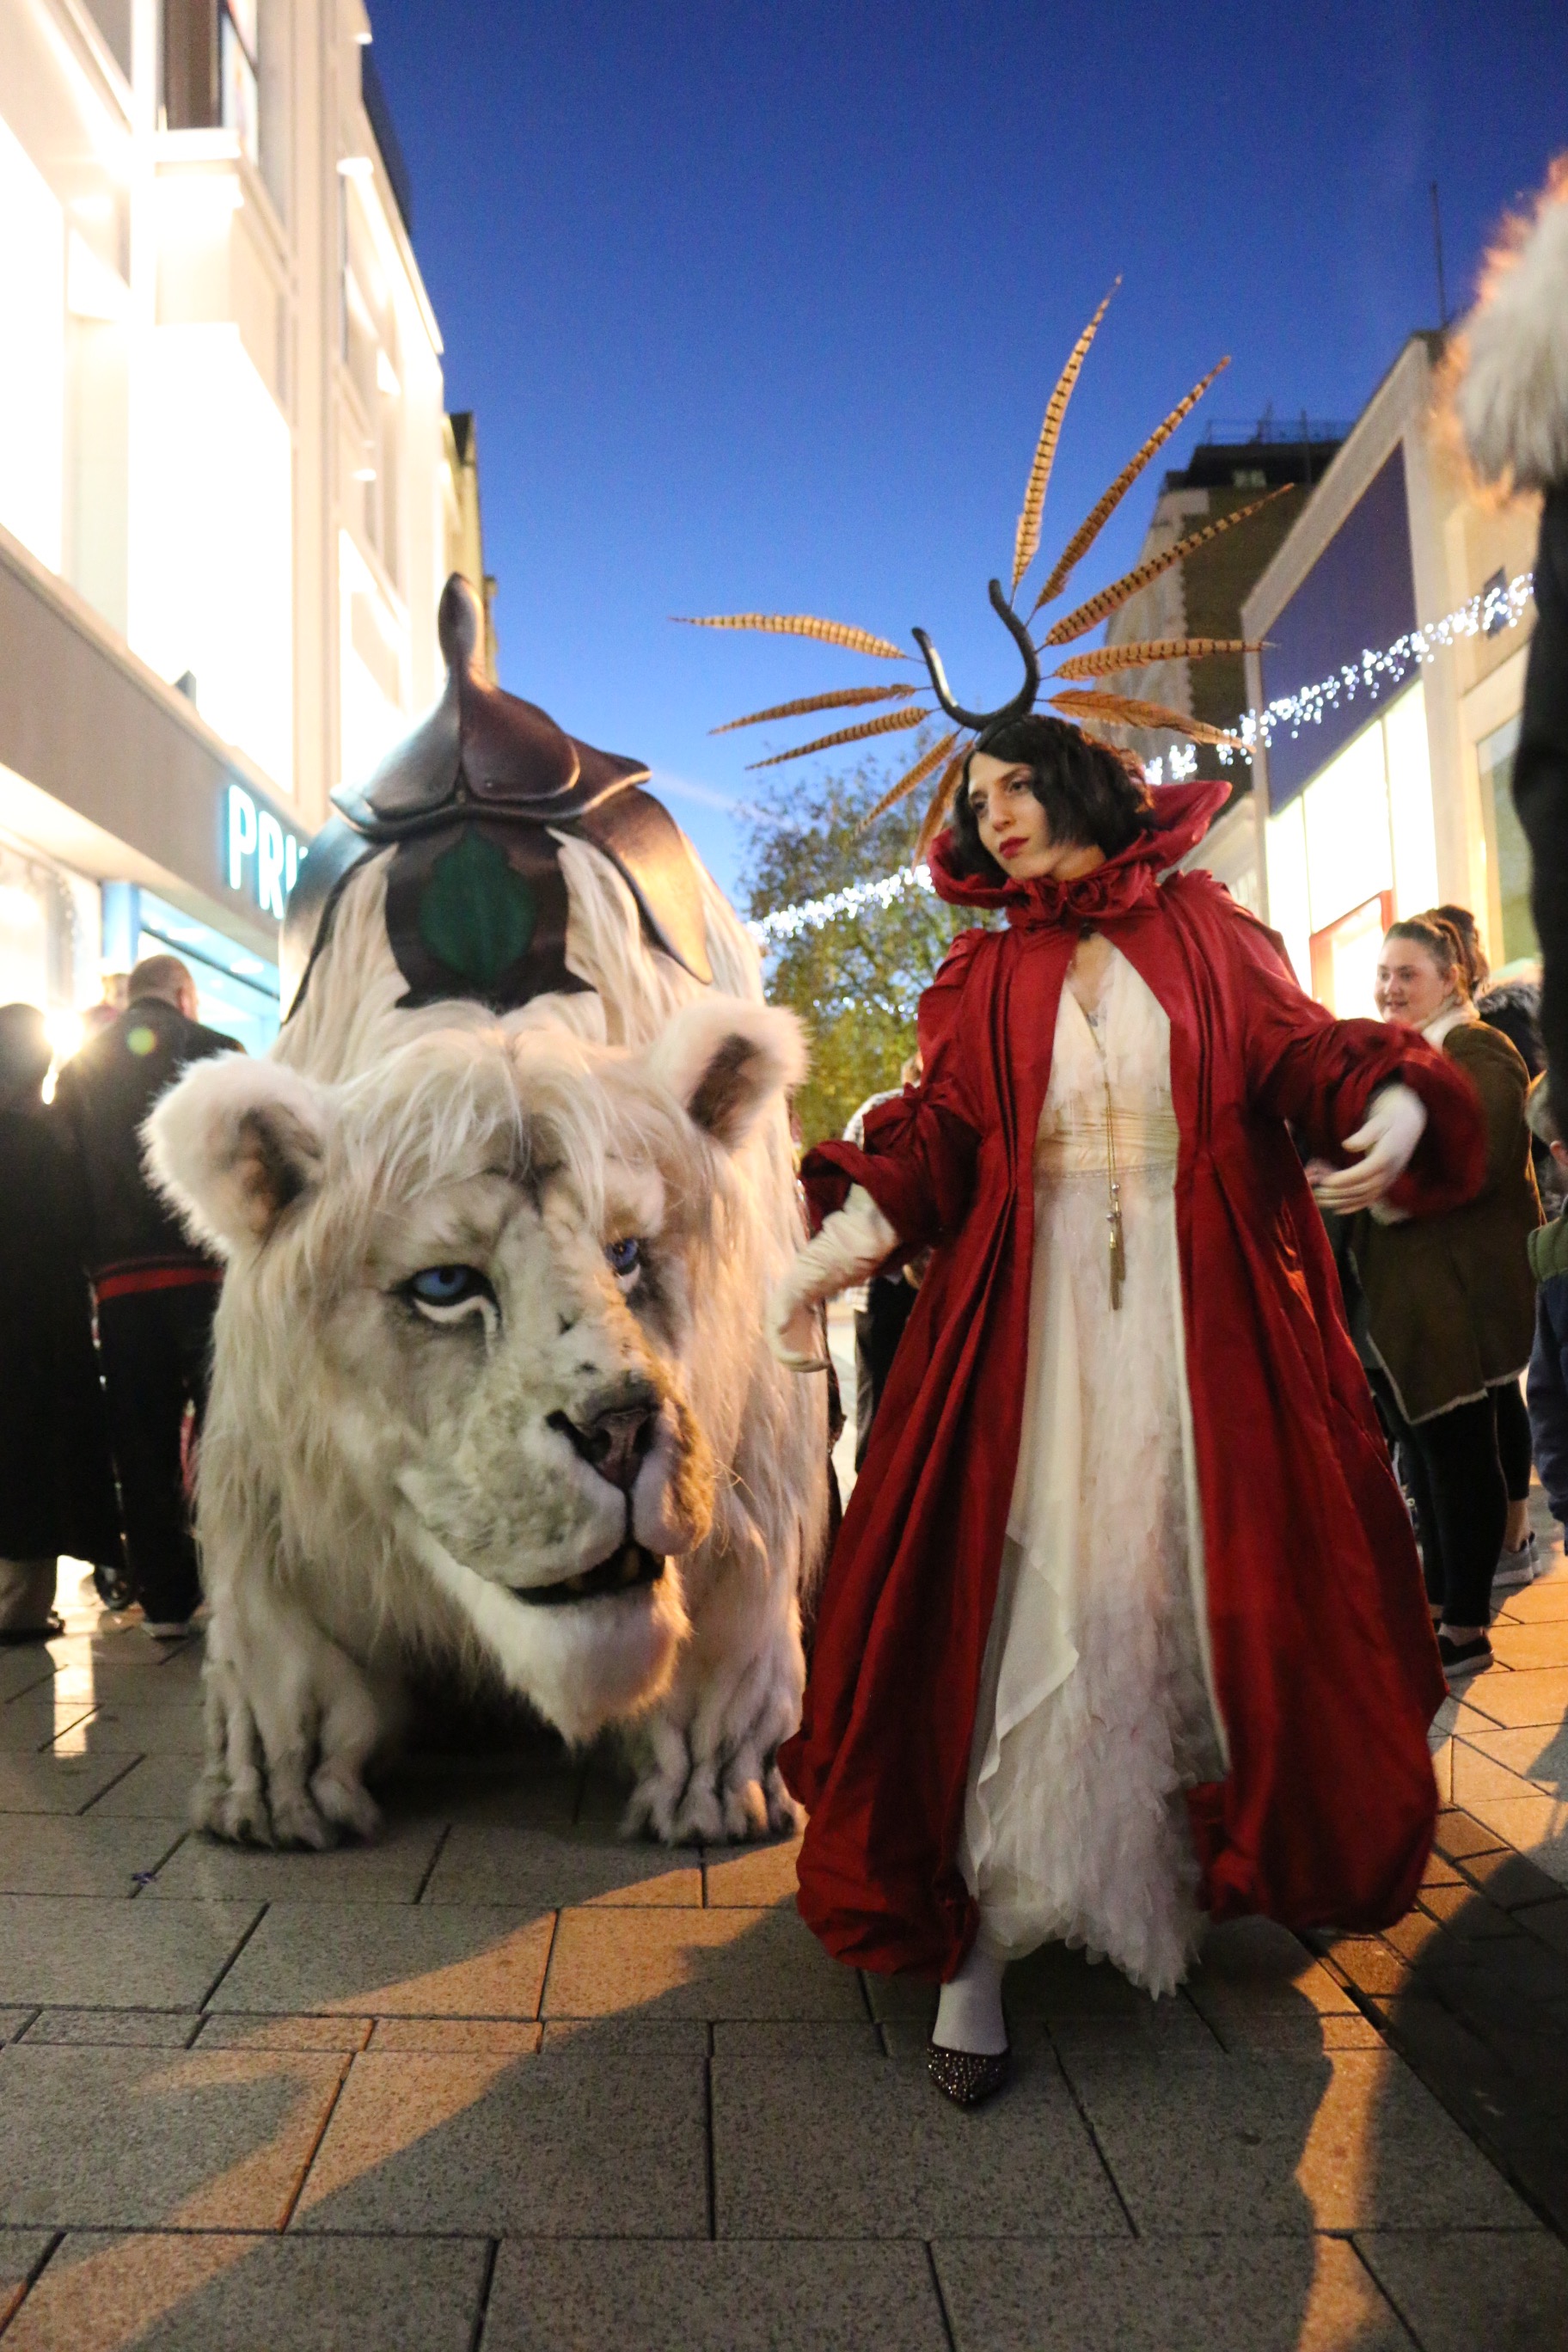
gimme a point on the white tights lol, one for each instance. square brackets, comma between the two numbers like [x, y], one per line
[969, 2013]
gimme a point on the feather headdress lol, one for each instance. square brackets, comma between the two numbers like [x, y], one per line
[1064, 690]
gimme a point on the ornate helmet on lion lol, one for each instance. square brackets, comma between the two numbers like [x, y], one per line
[500, 1212]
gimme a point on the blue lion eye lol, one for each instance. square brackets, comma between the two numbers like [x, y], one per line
[447, 1285]
[624, 1257]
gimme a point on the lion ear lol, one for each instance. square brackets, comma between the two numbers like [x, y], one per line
[233, 1145]
[726, 1061]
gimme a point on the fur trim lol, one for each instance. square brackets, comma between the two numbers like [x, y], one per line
[1511, 397]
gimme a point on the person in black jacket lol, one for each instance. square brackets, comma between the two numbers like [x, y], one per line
[155, 1291]
[56, 1492]
[1511, 402]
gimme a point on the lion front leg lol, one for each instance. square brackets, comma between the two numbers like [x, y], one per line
[292, 1724]
[708, 1748]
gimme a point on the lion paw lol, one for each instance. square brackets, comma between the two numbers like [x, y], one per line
[345, 1801]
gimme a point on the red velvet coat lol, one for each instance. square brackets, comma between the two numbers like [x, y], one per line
[1326, 1669]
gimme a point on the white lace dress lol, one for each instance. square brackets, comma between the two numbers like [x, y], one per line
[1096, 1702]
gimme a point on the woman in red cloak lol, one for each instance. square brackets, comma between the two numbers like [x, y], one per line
[1124, 1627]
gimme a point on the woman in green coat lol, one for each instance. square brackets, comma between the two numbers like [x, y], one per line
[1450, 1300]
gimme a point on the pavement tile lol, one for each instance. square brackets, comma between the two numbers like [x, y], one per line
[1511, 1880]
[387, 1869]
[30, 1723]
[21, 2251]
[1472, 2291]
[254, 2295]
[1370, 1964]
[1534, 1825]
[375, 1959]
[503, 1791]
[70, 1855]
[1525, 1646]
[1479, 1776]
[146, 2028]
[1459, 1835]
[837, 2146]
[458, 2036]
[541, 1869]
[1545, 1602]
[1463, 1910]
[344, 2033]
[83, 1951]
[140, 2139]
[22, 1668]
[1247, 2293]
[777, 2045]
[1454, 2061]
[173, 1729]
[1549, 1921]
[711, 1964]
[1442, 1768]
[159, 1788]
[54, 1783]
[1536, 1751]
[1252, 1973]
[753, 1877]
[1277, 2142]
[104, 1681]
[768, 2296]
[1532, 1696]
[13, 2021]
[661, 2037]
[569, 2141]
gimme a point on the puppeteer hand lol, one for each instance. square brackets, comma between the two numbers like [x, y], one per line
[852, 1244]
[1395, 1121]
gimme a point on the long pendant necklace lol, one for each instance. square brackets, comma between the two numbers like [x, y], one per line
[1113, 1203]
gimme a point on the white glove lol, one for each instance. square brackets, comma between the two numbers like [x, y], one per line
[852, 1243]
[1395, 1121]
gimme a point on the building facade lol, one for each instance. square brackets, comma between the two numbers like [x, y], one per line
[1384, 786]
[1202, 595]
[229, 490]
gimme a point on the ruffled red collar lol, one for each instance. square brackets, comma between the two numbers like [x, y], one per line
[1182, 814]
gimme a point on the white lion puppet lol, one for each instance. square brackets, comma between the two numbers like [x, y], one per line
[490, 1382]
[487, 1391]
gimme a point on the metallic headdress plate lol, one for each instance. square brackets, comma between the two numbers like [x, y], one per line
[476, 900]
[1086, 705]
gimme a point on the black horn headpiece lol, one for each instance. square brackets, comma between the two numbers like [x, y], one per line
[987, 723]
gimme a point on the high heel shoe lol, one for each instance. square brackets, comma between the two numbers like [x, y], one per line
[967, 2076]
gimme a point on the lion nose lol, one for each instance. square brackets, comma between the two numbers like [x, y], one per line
[615, 1442]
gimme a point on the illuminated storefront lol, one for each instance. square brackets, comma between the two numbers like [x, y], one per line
[1385, 781]
[229, 494]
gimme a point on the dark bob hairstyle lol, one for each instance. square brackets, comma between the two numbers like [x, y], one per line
[1092, 797]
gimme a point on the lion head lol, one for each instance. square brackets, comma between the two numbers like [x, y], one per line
[486, 1315]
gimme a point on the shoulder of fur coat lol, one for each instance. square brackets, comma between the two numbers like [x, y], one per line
[1512, 394]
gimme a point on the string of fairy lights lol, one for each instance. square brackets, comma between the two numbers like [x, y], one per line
[1499, 606]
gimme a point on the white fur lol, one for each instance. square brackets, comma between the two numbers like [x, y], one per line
[372, 1484]
[1511, 397]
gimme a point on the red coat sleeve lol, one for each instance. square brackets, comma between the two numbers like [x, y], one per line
[918, 1161]
[1321, 1074]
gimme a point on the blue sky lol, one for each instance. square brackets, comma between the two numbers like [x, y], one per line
[759, 301]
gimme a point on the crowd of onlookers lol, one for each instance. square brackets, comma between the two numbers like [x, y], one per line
[108, 1322]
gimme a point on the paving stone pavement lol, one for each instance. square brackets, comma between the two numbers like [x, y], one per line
[498, 2081]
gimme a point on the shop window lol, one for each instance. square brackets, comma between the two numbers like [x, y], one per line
[237, 49]
[1508, 852]
[1344, 959]
[211, 52]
